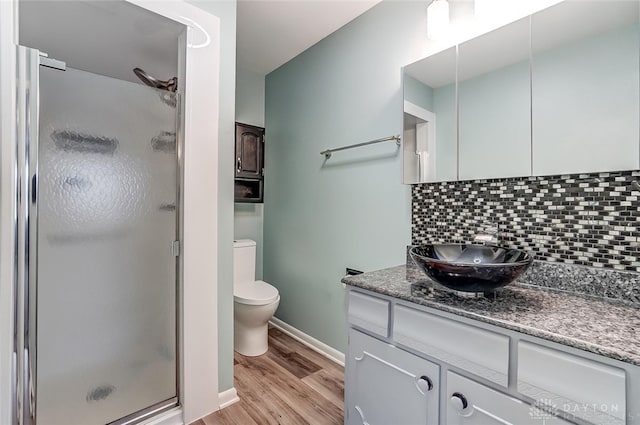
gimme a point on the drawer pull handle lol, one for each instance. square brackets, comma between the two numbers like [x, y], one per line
[425, 384]
[459, 401]
[238, 165]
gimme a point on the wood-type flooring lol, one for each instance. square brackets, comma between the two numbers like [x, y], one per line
[289, 385]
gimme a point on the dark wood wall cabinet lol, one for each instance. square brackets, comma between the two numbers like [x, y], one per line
[249, 174]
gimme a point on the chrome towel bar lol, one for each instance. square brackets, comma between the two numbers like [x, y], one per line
[327, 153]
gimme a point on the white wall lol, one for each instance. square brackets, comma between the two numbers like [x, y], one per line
[225, 10]
[7, 201]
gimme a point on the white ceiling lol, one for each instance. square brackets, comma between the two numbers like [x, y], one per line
[82, 34]
[272, 32]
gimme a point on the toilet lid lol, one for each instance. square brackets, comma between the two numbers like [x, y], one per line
[255, 293]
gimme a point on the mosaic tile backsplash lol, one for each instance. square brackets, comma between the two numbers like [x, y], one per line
[585, 219]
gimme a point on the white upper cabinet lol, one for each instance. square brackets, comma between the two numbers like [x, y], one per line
[585, 87]
[557, 92]
[494, 96]
[430, 133]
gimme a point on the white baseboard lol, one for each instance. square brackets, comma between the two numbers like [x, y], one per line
[228, 397]
[318, 346]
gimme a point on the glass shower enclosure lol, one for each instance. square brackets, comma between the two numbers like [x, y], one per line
[97, 265]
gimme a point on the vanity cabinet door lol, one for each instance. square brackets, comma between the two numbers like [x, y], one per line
[471, 403]
[386, 385]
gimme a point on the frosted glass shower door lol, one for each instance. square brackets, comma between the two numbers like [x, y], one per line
[106, 274]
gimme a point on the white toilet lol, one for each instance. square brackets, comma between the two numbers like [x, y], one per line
[255, 301]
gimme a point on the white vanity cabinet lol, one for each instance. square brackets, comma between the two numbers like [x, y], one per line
[389, 385]
[590, 390]
[411, 364]
[470, 403]
[476, 350]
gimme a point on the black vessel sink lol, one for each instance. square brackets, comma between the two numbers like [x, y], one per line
[471, 268]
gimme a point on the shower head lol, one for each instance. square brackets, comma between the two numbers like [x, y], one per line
[171, 84]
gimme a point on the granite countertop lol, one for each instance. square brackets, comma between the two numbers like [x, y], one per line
[606, 327]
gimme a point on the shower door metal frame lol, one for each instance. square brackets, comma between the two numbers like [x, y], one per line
[28, 62]
[25, 333]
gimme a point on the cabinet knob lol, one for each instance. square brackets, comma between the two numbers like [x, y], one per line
[459, 401]
[425, 384]
[238, 164]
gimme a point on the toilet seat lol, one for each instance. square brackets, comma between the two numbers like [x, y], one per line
[255, 293]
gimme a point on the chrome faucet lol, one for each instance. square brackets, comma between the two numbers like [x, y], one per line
[488, 235]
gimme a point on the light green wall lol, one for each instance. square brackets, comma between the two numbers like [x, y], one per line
[250, 97]
[250, 110]
[226, 11]
[351, 210]
[248, 225]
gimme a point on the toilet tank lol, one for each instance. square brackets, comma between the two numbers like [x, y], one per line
[244, 261]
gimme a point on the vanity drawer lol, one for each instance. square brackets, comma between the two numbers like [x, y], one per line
[588, 389]
[475, 350]
[471, 403]
[369, 313]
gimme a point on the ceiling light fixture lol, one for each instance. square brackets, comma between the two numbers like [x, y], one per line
[437, 18]
[483, 8]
